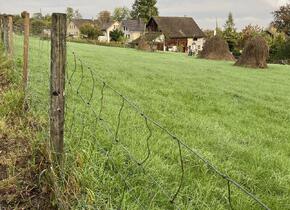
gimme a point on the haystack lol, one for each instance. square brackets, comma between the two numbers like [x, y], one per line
[143, 45]
[216, 48]
[255, 53]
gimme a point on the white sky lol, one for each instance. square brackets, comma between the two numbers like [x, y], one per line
[205, 12]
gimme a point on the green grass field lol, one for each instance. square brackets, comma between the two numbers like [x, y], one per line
[237, 118]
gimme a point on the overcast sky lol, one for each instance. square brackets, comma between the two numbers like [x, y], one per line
[205, 12]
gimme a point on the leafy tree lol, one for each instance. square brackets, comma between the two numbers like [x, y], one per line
[116, 35]
[230, 34]
[77, 14]
[37, 16]
[248, 32]
[90, 31]
[37, 26]
[144, 9]
[72, 14]
[69, 14]
[282, 19]
[121, 13]
[104, 17]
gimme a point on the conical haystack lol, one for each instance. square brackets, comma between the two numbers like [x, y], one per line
[216, 48]
[255, 53]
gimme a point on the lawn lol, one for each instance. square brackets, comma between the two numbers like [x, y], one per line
[237, 118]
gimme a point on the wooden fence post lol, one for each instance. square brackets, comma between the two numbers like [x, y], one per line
[5, 33]
[1, 29]
[25, 16]
[57, 84]
[10, 36]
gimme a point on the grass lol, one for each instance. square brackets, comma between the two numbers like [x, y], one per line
[21, 156]
[237, 118]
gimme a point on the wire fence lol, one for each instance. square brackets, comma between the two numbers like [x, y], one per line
[120, 156]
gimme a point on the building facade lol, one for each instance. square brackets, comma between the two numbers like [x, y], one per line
[181, 33]
[133, 29]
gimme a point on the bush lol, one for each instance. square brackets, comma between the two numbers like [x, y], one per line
[280, 52]
[96, 42]
[117, 35]
[90, 31]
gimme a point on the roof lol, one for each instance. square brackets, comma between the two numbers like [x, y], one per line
[148, 37]
[134, 25]
[105, 26]
[80, 22]
[178, 27]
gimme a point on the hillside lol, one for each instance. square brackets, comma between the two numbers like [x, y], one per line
[237, 118]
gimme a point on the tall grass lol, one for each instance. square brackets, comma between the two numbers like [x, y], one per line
[237, 118]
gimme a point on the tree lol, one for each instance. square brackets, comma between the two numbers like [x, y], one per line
[144, 9]
[37, 16]
[121, 13]
[116, 35]
[69, 14]
[282, 19]
[90, 31]
[230, 34]
[249, 32]
[77, 14]
[37, 26]
[72, 14]
[104, 17]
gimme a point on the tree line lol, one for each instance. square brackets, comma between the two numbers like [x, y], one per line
[277, 35]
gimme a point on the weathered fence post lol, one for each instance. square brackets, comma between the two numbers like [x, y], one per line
[8, 35]
[5, 33]
[57, 84]
[25, 16]
[1, 29]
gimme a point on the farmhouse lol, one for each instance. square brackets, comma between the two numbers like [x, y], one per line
[106, 28]
[133, 29]
[181, 33]
[73, 28]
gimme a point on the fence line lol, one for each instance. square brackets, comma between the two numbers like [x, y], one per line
[180, 143]
[58, 40]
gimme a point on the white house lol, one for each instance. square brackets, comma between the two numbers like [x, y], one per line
[133, 29]
[106, 28]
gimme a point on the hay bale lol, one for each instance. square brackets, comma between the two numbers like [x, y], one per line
[216, 48]
[143, 45]
[255, 53]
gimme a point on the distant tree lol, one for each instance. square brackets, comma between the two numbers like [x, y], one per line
[282, 19]
[90, 31]
[72, 14]
[121, 13]
[37, 16]
[69, 14]
[37, 26]
[116, 35]
[104, 17]
[230, 34]
[144, 9]
[249, 32]
[77, 14]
